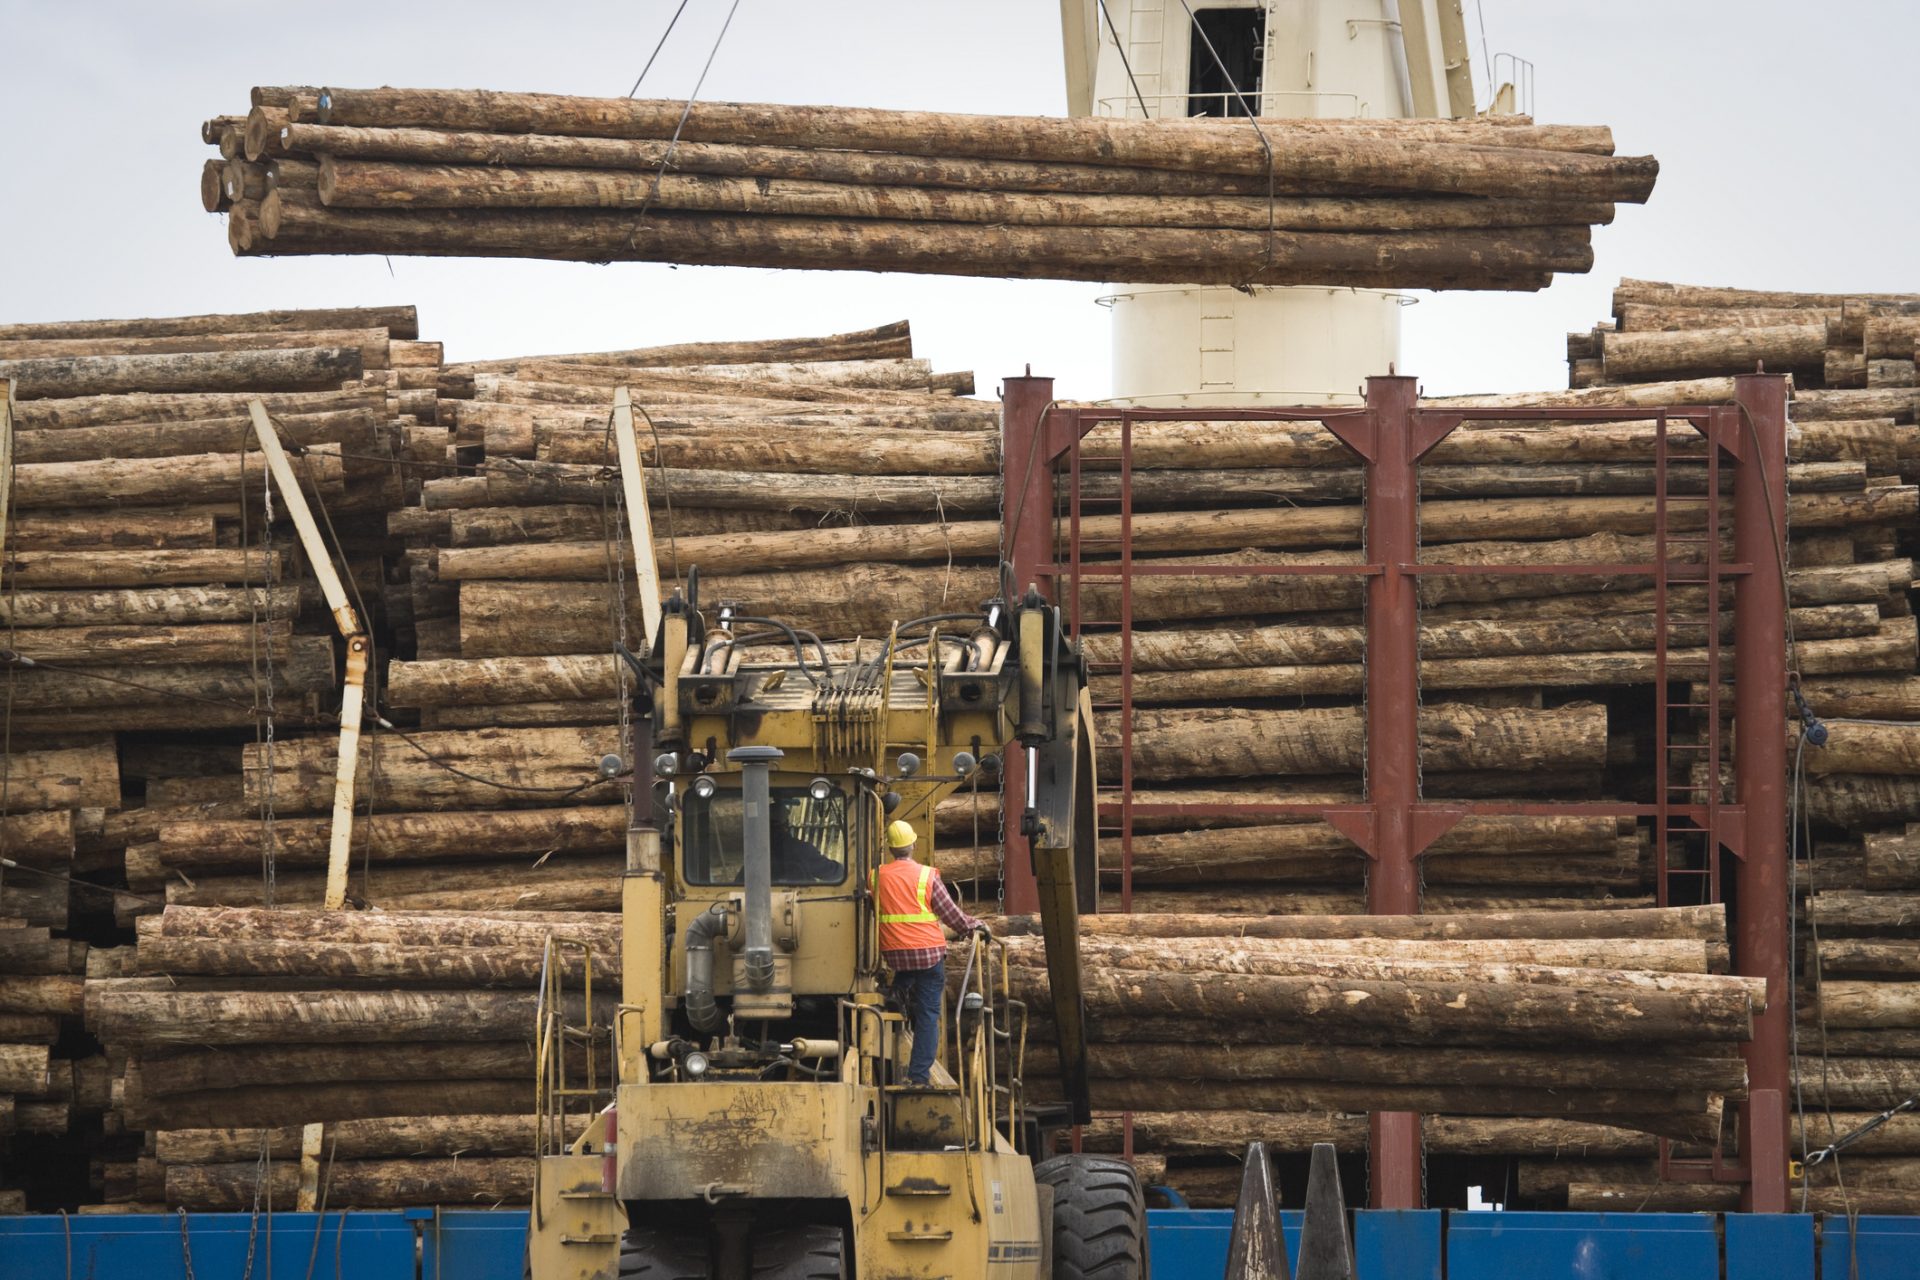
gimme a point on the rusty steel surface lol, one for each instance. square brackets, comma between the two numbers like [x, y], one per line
[1392, 824]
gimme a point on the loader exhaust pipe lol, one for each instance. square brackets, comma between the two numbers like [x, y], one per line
[756, 829]
[702, 1011]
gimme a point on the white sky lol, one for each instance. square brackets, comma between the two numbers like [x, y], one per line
[1784, 130]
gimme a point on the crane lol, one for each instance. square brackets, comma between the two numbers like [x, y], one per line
[759, 1122]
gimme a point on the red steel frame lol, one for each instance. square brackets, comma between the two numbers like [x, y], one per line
[1393, 826]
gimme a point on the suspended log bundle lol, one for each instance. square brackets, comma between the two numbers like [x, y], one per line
[1497, 203]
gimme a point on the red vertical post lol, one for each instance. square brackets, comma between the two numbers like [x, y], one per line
[1393, 728]
[1026, 543]
[1759, 700]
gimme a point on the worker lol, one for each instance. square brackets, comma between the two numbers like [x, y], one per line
[913, 903]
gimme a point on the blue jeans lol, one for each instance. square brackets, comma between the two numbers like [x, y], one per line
[918, 992]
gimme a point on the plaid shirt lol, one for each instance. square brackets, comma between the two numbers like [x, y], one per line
[950, 915]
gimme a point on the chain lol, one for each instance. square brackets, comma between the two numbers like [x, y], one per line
[261, 656]
[186, 1246]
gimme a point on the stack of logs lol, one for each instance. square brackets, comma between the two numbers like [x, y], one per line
[1496, 203]
[1857, 801]
[153, 622]
[1568, 1038]
[1832, 341]
[843, 485]
[409, 1034]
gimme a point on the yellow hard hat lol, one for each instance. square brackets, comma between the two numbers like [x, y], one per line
[900, 835]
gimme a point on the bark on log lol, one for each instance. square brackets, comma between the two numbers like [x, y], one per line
[103, 410]
[1455, 1013]
[1641, 357]
[538, 766]
[223, 434]
[577, 884]
[400, 837]
[105, 645]
[363, 184]
[1868, 747]
[1316, 152]
[399, 1136]
[348, 962]
[398, 321]
[1705, 924]
[219, 566]
[371, 343]
[306, 368]
[366, 1184]
[1222, 742]
[152, 1077]
[205, 477]
[136, 1018]
[291, 223]
[309, 669]
[510, 929]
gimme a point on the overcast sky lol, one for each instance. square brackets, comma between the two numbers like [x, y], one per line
[1783, 131]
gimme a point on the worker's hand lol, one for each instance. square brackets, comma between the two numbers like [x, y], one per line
[981, 931]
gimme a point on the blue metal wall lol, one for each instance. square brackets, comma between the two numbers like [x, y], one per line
[420, 1244]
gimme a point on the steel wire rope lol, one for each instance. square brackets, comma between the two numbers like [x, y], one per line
[653, 188]
[1253, 117]
[658, 46]
[1125, 65]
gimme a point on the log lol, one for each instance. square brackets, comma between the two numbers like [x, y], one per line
[299, 369]
[37, 839]
[196, 568]
[59, 611]
[23, 1068]
[1440, 963]
[1429, 1012]
[409, 1136]
[1333, 155]
[578, 884]
[48, 531]
[538, 766]
[1223, 742]
[372, 344]
[291, 222]
[135, 1018]
[106, 645]
[1871, 958]
[1643, 357]
[398, 321]
[347, 962]
[367, 1184]
[1496, 1135]
[347, 183]
[1693, 1116]
[1868, 747]
[61, 994]
[1360, 1065]
[1705, 924]
[227, 434]
[64, 777]
[107, 409]
[1853, 1003]
[1458, 521]
[153, 1077]
[206, 477]
[400, 837]
[309, 669]
[382, 927]
[1224, 1133]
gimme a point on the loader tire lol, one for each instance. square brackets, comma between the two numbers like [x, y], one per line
[1099, 1218]
[800, 1253]
[648, 1253]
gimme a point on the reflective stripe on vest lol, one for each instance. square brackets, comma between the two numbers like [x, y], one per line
[904, 901]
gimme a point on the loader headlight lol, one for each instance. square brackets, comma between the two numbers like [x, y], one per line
[694, 1064]
[666, 764]
[703, 787]
[908, 764]
[964, 764]
[820, 789]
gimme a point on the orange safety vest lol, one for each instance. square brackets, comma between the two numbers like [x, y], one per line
[903, 895]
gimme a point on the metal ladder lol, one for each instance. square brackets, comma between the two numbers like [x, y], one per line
[1688, 737]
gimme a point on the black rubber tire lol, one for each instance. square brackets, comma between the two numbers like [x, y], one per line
[1099, 1218]
[800, 1253]
[648, 1253]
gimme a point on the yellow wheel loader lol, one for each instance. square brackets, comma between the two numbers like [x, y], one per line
[759, 1124]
